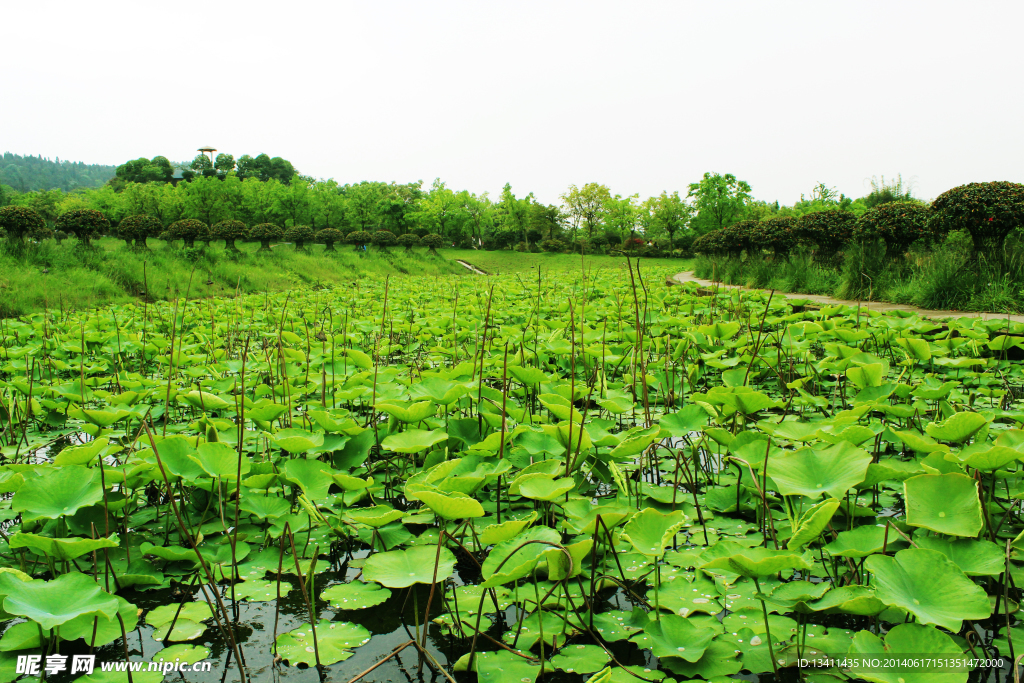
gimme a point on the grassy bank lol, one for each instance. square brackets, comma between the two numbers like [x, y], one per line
[512, 262]
[948, 277]
[66, 276]
[51, 275]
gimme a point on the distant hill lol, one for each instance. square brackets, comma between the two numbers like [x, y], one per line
[39, 173]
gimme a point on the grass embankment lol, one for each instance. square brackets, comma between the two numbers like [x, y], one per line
[948, 278]
[511, 262]
[66, 276]
[51, 275]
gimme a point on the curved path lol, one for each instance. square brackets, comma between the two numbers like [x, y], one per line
[869, 305]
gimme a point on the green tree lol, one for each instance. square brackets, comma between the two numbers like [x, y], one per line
[719, 200]
[441, 210]
[585, 206]
[86, 223]
[666, 214]
[622, 215]
[225, 163]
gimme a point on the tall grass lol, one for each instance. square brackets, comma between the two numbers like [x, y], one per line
[68, 275]
[947, 277]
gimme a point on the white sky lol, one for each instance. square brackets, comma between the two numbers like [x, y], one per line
[641, 96]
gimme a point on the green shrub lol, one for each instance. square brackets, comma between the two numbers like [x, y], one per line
[433, 241]
[229, 231]
[20, 222]
[899, 224]
[359, 238]
[384, 239]
[828, 231]
[553, 246]
[408, 240]
[188, 230]
[328, 236]
[265, 233]
[137, 228]
[777, 234]
[299, 234]
[735, 239]
[86, 223]
[988, 211]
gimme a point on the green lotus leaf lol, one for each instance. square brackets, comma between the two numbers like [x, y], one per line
[685, 598]
[813, 472]
[974, 557]
[81, 455]
[194, 612]
[946, 503]
[927, 584]
[977, 457]
[413, 440]
[920, 442]
[312, 476]
[205, 401]
[350, 483]
[171, 553]
[99, 630]
[376, 516]
[581, 659]
[499, 667]
[904, 644]
[813, 523]
[100, 418]
[758, 562]
[413, 412]
[543, 488]
[560, 407]
[795, 431]
[689, 419]
[496, 533]
[52, 603]
[858, 600]
[297, 440]
[188, 654]
[62, 549]
[402, 568]
[957, 428]
[864, 376]
[450, 505]
[440, 391]
[360, 359]
[61, 493]
[335, 641]
[674, 636]
[265, 507]
[355, 595]
[265, 411]
[750, 402]
[562, 566]
[865, 540]
[651, 531]
[635, 441]
[720, 659]
[258, 590]
[221, 461]
[517, 557]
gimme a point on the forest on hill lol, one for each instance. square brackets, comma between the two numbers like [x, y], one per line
[39, 173]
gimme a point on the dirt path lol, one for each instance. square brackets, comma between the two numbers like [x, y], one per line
[869, 305]
[470, 266]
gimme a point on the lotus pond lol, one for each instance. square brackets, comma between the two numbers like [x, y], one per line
[589, 476]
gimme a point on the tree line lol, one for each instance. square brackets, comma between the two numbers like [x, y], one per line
[265, 190]
[38, 173]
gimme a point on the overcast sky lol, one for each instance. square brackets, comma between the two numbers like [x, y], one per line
[641, 96]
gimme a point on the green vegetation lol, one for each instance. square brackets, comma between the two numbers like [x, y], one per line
[530, 480]
[30, 174]
[965, 251]
[63, 276]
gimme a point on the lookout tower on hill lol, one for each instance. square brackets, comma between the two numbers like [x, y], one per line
[208, 151]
